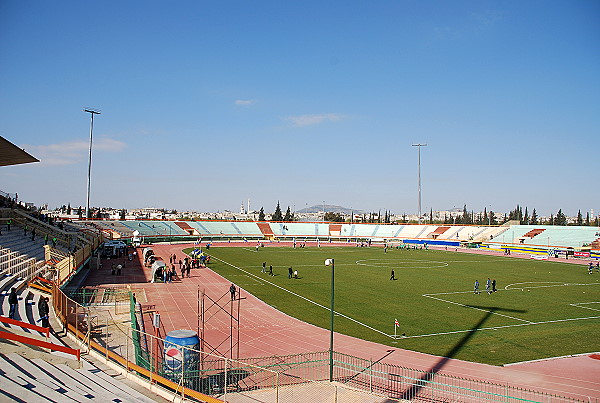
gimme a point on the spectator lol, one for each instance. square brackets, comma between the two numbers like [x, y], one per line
[13, 300]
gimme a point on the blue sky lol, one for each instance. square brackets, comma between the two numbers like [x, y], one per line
[207, 104]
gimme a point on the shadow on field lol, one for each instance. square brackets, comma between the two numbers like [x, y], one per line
[414, 390]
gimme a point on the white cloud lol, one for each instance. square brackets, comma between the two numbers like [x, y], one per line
[72, 152]
[245, 102]
[308, 120]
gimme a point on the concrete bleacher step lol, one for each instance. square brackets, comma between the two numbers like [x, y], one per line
[92, 375]
[18, 384]
[52, 377]
[33, 380]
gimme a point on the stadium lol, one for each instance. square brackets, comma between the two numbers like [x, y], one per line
[131, 132]
[237, 311]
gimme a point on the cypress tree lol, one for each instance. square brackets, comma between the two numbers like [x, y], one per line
[277, 216]
[288, 215]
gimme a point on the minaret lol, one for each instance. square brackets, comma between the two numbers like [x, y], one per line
[242, 209]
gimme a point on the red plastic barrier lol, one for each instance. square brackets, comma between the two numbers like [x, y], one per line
[26, 325]
[40, 343]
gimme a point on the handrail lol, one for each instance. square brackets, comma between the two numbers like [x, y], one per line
[26, 325]
[40, 343]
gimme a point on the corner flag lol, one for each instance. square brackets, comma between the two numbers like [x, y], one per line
[396, 323]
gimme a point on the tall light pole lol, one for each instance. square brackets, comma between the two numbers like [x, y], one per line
[419, 145]
[323, 210]
[92, 112]
[330, 262]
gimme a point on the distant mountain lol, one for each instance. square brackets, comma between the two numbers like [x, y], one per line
[328, 208]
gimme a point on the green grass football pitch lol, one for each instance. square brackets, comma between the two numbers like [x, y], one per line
[541, 309]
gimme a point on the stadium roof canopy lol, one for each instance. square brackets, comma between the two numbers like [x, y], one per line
[10, 154]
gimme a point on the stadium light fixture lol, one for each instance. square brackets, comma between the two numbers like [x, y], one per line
[92, 112]
[330, 262]
[419, 145]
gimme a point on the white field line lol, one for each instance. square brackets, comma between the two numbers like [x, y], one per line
[472, 307]
[503, 327]
[552, 284]
[306, 299]
[578, 305]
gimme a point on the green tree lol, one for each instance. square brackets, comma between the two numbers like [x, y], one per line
[579, 218]
[560, 219]
[587, 219]
[525, 217]
[288, 215]
[277, 216]
[261, 214]
[69, 209]
[534, 218]
[492, 218]
[122, 214]
[330, 216]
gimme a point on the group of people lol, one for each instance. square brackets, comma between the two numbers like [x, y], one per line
[591, 267]
[292, 273]
[264, 269]
[43, 307]
[490, 286]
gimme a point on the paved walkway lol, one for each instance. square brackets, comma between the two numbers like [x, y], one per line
[265, 331]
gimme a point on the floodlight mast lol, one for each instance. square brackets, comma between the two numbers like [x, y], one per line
[92, 112]
[419, 145]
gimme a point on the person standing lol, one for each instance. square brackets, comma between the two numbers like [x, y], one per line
[44, 311]
[188, 270]
[488, 285]
[232, 291]
[264, 267]
[271, 270]
[8, 223]
[290, 272]
[33, 234]
[476, 289]
[393, 276]
[13, 300]
[494, 285]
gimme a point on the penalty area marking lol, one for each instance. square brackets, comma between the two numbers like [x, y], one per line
[527, 323]
[306, 299]
[579, 305]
